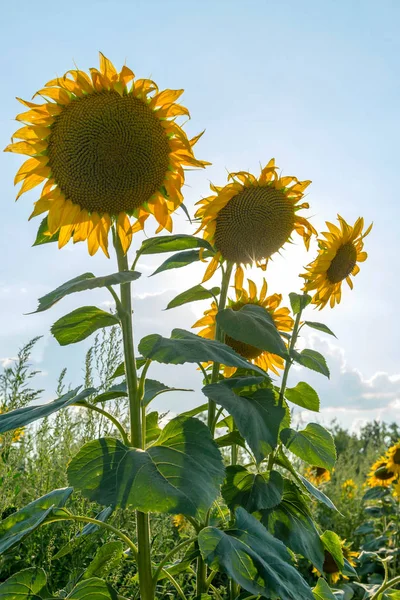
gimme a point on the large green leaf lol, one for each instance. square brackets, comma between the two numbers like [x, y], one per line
[173, 243]
[23, 416]
[22, 523]
[180, 473]
[318, 495]
[252, 491]
[252, 325]
[153, 430]
[198, 292]
[42, 238]
[106, 558]
[253, 558]
[333, 545]
[84, 282]
[176, 261]
[312, 360]
[24, 585]
[153, 388]
[299, 302]
[322, 591]
[93, 589]
[319, 327]
[81, 323]
[257, 416]
[184, 346]
[291, 523]
[314, 445]
[303, 395]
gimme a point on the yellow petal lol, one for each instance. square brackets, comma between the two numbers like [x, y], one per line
[212, 267]
[239, 276]
[165, 97]
[29, 166]
[30, 182]
[32, 132]
[124, 231]
[59, 95]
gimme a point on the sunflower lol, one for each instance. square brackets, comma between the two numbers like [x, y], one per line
[108, 148]
[317, 475]
[348, 488]
[280, 316]
[393, 458]
[380, 475]
[179, 522]
[396, 489]
[250, 219]
[337, 259]
[330, 567]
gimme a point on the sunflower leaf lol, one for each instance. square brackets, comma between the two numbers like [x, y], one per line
[252, 325]
[198, 292]
[312, 360]
[252, 491]
[299, 302]
[173, 243]
[24, 585]
[178, 260]
[84, 282]
[319, 327]
[322, 591]
[80, 324]
[303, 395]
[314, 445]
[95, 589]
[179, 474]
[153, 388]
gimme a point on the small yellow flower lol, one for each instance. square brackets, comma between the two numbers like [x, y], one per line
[250, 219]
[179, 522]
[393, 458]
[317, 475]
[380, 475]
[396, 489]
[108, 148]
[280, 316]
[348, 488]
[337, 259]
[18, 434]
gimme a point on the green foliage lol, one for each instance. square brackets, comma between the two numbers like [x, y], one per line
[195, 293]
[303, 395]
[172, 243]
[252, 491]
[312, 360]
[80, 324]
[314, 445]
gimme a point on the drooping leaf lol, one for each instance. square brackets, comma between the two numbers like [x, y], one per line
[84, 282]
[153, 388]
[252, 325]
[322, 591]
[319, 327]
[198, 292]
[24, 585]
[299, 302]
[195, 411]
[42, 238]
[105, 560]
[80, 324]
[303, 395]
[312, 360]
[314, 445]
[376, 493]
[253, 558]
[233, 437]
[153, 430]
[180, 473]
[23, 416]
[291, 523]
[320, 496]
[22, 523]
[176, 261]
[93, 589]
[173, 243]
[89, 529]
[257, 417]
[332, 544]
[184, 346]
[115, 391]
[252, 491]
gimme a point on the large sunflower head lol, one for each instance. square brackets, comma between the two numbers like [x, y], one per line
[280, 316]
[337, 260]
[250, 219]
[380, 474]
[317, 475]
[108, 148]
[393, 458]
[331, 569]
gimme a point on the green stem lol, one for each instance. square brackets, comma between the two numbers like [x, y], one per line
[289, 360]
[176, 585]
[219, 336]
[201, 576]
[170, 555]
[137, 440]
[386, 586]
[108, 416]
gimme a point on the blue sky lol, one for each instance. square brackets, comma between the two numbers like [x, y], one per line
[314, 84]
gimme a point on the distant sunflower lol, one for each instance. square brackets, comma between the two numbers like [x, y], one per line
[17, 434]
[396, 489]
[280, 316]
[250, 219]
[380, 474]
[108, 148]
[393, 458]
[348, 488]
[317, 475]
[337, 260]
[331, 569]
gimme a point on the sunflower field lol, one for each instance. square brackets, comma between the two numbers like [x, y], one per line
[102, 497]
